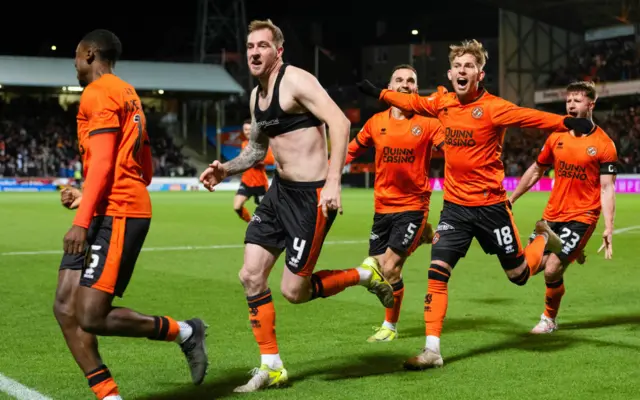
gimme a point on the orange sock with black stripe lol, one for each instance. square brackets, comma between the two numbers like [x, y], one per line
[435, 305]
[533, 253]
[262, 315]
[101, 382]
[553, 297]
[329, 283]
[392, 315]
[244, 214]
[165, 329]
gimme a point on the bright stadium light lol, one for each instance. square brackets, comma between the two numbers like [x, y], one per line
[74, 88]
[54, 48]
[160, 91]
[414, 32]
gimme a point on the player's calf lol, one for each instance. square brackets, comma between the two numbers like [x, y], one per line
[391, 267]
[243, 213]
[554, 281]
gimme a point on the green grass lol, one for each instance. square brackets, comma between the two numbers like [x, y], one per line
[486, 349]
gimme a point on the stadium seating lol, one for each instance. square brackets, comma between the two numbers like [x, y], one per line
[38, 138]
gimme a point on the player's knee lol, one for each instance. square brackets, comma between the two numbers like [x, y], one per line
[445, 257]
[519, 276]
[439, 271]
[90, 322]
[553, 269]
[64, 311]
[252, 281]
[392, 270]
[294, 294]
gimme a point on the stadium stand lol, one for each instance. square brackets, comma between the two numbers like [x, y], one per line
[38, 138]
[610, 60]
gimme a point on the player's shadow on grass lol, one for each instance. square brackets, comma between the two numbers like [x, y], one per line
[218, 388]
[385, 362]
[522, 341]
[372, 364]
[604, 322]
[382, 363]
[456, 325]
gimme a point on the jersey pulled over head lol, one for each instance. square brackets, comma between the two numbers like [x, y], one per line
[98, 50]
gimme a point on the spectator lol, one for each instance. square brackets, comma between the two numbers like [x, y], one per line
[38, 139]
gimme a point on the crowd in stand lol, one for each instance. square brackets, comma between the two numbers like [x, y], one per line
[38, 138]
[622, 125]
[610, 60]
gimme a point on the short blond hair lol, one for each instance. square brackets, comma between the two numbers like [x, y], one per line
[586, 87]
[256, 25]
[472, 47]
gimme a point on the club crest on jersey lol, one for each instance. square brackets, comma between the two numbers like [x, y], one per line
[435, 239]
[416, 130]
[591, 151]
[477, 112]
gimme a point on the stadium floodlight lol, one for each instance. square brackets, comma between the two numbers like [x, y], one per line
[414, 32]
[54, 48]
[73, 88]
[160, 91]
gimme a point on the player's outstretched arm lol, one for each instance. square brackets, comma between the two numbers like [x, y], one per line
[505, 113]
[531, 176]
[426, 106]
[608, 203]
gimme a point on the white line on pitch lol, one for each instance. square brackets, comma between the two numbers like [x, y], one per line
[176, 248]
[18, 390]
[234, 246]
[627, 229]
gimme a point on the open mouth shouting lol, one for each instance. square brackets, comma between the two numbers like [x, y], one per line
[462, 83]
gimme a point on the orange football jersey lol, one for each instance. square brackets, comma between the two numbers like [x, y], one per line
[578, 163]
[110, 106]
[403, 155]
[474, 135]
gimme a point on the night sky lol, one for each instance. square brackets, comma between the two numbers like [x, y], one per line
[153, 31]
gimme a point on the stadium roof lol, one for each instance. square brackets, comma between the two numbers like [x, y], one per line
[573, 15]
[177, 77]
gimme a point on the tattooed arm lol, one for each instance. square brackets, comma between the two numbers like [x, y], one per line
[254, 152]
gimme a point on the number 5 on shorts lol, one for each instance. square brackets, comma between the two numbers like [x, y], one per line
[411, 231]
[95, 260]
